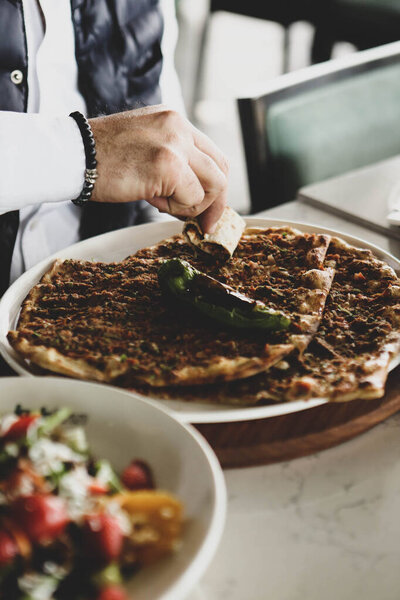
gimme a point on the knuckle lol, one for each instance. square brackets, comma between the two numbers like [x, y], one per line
[171, 119]
[193, 211]
[217, 178]
[225, 164]
[165, 158]
[221, 184]
[197, 194]
[173, 138]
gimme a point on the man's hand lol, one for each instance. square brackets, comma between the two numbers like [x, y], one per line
[155, 154]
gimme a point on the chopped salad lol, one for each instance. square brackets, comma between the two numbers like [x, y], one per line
[70, 526]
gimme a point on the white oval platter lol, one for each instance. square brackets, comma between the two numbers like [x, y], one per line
[116, 245]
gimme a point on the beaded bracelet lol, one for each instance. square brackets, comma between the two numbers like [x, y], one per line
[90, 153]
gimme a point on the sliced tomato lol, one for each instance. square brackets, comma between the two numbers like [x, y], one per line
[43, 517]
[20, 428]
[112, 592]
[102, 536]
[8, 548]
[96, 487]
[137, 476]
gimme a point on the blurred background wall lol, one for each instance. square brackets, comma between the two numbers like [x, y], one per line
[239, 53]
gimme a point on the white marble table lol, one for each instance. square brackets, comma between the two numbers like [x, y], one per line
[325, 527]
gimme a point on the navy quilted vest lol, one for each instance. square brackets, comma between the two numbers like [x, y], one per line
[119, 63]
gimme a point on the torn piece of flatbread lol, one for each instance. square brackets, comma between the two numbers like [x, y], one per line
[223, 241]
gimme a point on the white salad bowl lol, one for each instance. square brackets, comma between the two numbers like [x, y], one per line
[122, 427]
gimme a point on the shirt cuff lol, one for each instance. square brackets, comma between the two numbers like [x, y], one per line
[42, 159]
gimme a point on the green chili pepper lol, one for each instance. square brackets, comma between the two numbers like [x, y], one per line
[216, 300]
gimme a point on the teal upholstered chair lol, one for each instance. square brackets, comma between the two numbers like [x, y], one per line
[319, 122]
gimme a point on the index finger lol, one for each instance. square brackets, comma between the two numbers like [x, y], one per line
[203, 143]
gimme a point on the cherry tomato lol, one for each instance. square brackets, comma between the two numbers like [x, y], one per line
[8, 548]
[112, 592]
[137, 476]
[43, 517]
[102, 537]
[20, 428]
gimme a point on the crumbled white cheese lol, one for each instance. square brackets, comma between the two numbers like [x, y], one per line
[25, 486]
[55, 570]
[105, 474]
[37, 586]
[73, 487]
[75, 437]
[32, 433]
[48, 456]
[6, 422]
[12, 449]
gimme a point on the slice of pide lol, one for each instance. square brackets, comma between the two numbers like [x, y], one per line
[223, 241]
[110, 323]
[349, 356]
[360, 331]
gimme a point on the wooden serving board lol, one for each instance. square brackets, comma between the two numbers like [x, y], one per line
[275, 439]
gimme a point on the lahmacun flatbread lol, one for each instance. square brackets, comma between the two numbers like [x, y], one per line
[110, 322]
[350, 354]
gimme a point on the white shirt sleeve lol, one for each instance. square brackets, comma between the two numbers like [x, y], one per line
[42, 159]
[171, 92]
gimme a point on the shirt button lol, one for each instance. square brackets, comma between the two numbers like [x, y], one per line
[17, 76]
